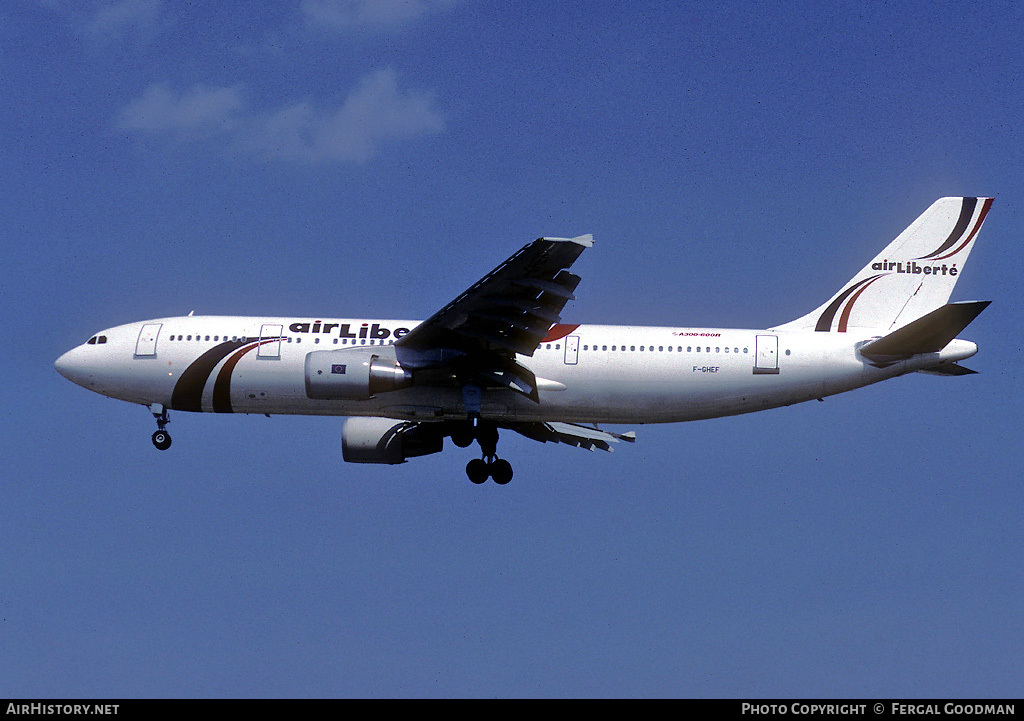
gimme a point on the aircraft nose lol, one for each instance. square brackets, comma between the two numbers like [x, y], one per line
[71, 365]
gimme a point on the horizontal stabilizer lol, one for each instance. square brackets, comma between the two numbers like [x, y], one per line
[928, 334]
[948, 369]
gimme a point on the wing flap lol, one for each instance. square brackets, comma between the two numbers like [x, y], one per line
[572, 434]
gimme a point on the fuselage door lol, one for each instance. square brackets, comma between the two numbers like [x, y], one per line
[766, 358]
[572, 350]
[270, 348]
[146, 345]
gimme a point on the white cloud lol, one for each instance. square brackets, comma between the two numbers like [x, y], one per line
[115, 21]
[200, 111]
[369, 14]
[377, 111]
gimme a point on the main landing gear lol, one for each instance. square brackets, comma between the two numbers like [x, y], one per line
[489, 466]
[161, 438]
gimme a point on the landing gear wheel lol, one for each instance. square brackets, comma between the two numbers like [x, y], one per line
[162, 440]
[477, 470]
[464, 437]
[501, 471]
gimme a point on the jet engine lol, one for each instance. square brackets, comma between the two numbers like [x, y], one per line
[385, 440]
[354, 374]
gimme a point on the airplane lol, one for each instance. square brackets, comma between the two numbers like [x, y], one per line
[499, 357]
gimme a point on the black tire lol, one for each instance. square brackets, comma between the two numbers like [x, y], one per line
[477, 471]
[463, 439]
[162, 440]
[501, 471]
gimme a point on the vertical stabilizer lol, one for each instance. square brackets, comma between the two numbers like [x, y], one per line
[913, 276]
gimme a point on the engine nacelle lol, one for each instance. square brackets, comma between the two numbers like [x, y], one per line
[354, 374]
[385, 440]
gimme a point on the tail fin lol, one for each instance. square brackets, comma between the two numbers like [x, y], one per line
[913, 276]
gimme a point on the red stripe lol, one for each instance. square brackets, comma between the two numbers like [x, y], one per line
[559, 331]
[222, 386]
[977, 227]
[845, 317]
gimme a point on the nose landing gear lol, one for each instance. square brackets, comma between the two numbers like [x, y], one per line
[161, 438]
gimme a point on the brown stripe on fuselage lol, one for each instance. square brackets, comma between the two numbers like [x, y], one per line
[188, 391]
[222, 386]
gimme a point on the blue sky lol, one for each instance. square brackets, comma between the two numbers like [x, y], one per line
[357, 158]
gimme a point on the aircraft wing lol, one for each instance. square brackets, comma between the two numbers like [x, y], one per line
[571, 434]
[510, 309]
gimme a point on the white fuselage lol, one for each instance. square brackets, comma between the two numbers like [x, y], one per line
[593, 373]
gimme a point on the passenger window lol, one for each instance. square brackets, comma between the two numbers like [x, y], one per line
[661, 348]
[698, 349]
[632, 347]
[604, 347]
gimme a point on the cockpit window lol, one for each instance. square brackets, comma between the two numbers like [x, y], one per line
[91, 341]
[101, 339]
